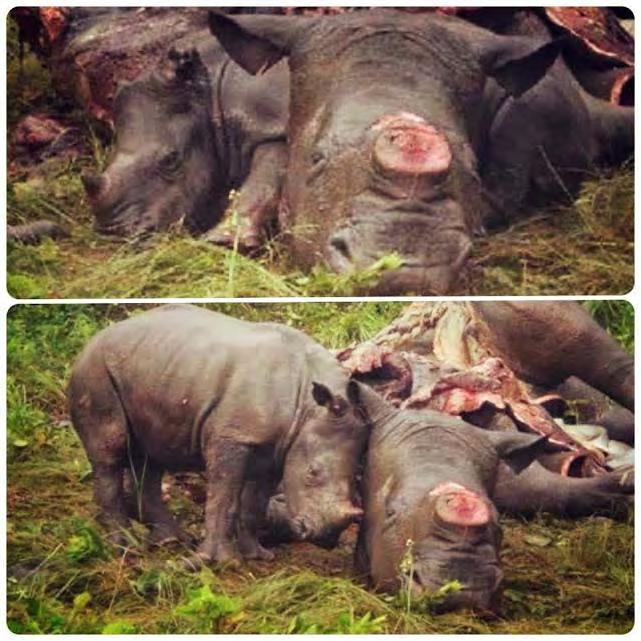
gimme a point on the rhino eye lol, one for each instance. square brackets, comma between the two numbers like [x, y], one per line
[318, 160]
[170, 163]
[314, 475]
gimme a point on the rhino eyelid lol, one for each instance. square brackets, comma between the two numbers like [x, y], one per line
[170, 158]
[313, 476]
[318, 160]
[170, 164]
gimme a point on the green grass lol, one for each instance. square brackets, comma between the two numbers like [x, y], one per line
[586, 249]
[561, 575]
[583, 249]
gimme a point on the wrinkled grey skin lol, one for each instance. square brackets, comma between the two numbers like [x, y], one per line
[186, 135]
[413, 453]
[519, 128]
[182, 388]
[547, 342]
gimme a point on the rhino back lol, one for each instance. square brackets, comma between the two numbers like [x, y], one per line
[183, 373]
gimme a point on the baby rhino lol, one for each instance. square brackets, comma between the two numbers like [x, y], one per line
[253, 404]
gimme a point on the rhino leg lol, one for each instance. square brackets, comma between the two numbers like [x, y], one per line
[257, 203]
[593, 406]
[226, 464]
[361, 558]
[148, 506]
[254, 502]
[537, 489]
[619, 424]
[101, 424]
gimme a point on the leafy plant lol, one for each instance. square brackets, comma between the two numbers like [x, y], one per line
[119, 627]
[204, 610]
[158, 583]
[37, 617]
[86, 545]
[347, 623]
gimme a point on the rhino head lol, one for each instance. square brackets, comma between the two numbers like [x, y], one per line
[387, 125]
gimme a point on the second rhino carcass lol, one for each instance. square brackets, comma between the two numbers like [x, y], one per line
[251, 404]
[505, 365]
[432, 489]
[411, 133]
[433, 483]
[190, 125]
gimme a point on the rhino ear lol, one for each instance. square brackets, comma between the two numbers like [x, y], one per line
[255, 42]
[354, 393]
[322, 394]
[516, 449]
[324, 397]
[519, 63]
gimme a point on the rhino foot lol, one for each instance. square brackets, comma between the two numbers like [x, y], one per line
[221, 554]
[620, 481]
[256, 551]
[248, 244]
[118, 531]
[194, 562]
[162, 535]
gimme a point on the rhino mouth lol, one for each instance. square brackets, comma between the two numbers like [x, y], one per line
[415, 275]
[124, 228]
[135, 220]
[416, 279]
[112, 228]
[482, 595]
[430, 238]
[324, 533]
[326, 537]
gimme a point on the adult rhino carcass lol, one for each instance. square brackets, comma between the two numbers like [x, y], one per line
[432, 489]
[504, 365]
[412, 133]
[190, 125]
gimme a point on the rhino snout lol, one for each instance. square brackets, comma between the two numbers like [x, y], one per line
[421, 272]
[480, 595]
[326, 530]
[417, 280]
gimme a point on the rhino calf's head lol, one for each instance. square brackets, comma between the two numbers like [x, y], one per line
[319, 474]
